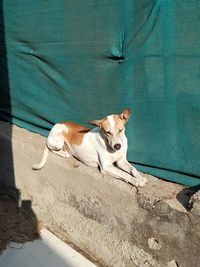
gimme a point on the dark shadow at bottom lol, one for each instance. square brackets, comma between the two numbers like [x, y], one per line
[18, 223]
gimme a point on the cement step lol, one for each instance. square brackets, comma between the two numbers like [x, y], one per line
[49, 251]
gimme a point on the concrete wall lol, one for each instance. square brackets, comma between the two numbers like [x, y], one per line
[109, 220]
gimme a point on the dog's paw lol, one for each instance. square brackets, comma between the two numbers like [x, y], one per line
[144, 179]
[140, 181]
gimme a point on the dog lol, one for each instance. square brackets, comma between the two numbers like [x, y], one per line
[104, 146]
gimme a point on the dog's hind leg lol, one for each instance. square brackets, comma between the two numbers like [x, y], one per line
[61, 153]
[55, 143]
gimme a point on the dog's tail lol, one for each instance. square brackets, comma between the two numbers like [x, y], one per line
[43, 161]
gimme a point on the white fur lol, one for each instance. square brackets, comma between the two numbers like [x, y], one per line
[94, 152]
[55, 139]
[43, 161]
[111, 121]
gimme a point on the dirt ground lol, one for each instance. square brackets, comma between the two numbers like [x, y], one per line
[17, 223]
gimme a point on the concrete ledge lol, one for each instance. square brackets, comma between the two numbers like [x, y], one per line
[107, 219]
[49, 251]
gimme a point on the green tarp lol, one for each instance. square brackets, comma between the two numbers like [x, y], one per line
[77, 60]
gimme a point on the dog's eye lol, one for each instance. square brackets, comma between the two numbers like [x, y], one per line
[121, 130]
[108, 133]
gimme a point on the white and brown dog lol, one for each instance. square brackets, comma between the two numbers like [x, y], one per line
[104, 146]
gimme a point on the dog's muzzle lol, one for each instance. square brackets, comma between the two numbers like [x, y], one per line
[117, 146]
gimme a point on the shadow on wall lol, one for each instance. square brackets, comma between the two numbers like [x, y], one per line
[18, 221]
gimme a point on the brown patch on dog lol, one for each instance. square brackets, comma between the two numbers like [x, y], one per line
[105, 125]
[119, 123]
[75, 133]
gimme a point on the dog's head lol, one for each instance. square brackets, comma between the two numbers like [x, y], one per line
[113, 128]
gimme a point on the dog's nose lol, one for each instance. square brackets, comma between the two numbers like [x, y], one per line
[117, 146]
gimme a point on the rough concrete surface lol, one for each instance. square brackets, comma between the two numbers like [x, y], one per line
[107, 219]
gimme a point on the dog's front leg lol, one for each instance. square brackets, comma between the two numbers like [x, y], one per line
[124, 165]
[119, 174]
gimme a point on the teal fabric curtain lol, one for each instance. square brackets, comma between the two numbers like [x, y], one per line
[77, 60]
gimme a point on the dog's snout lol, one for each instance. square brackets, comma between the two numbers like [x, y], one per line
[117, 146]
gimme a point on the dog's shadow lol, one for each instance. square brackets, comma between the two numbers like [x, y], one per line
[185, 195]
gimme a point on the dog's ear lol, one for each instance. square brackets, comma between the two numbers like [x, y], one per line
[125, 115]
[97, 123]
